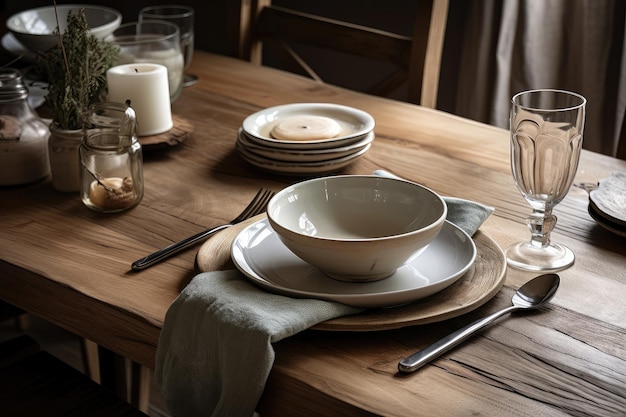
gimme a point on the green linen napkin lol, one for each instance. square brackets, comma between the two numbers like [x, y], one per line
[466, 214]
[215, 350]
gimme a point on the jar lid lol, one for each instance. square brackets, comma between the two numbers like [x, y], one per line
[12, 85]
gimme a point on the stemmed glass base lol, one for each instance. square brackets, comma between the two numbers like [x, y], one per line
[540, 254]
[525, 255]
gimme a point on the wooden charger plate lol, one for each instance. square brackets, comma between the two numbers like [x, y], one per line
[483, 280]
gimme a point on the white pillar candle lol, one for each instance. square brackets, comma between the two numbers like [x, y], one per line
[146, 86]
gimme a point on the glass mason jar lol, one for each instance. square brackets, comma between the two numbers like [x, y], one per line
[111, 171]
[111, 116]
[23, 135]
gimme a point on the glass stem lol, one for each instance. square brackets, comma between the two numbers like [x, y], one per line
[541, 223]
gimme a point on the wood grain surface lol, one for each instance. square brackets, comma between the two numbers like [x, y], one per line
[71, 266]
[180, 131]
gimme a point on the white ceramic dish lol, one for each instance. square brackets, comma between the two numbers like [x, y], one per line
[303, 155]
[356, 228]
[602, 220]
[609, 199]
[34, 28]
[300, 168]
[353, 123]
[13, 46]
[260, 255]
[327, 144]
[304, 145]
[608, 216]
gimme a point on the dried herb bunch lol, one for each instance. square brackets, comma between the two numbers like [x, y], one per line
[76, 71]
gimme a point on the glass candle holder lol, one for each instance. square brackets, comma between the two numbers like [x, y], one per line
[182, 16]
[156, 42]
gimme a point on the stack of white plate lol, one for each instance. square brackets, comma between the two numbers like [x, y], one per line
[607, 203]
[305, 138]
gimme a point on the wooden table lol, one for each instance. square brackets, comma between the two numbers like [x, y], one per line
[71, 266]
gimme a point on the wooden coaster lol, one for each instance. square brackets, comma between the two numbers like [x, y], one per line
[481, 283]
[181, 130]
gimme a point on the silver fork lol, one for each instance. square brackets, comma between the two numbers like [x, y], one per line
[256, 206]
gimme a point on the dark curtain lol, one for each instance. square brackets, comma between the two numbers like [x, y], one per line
[497, 48]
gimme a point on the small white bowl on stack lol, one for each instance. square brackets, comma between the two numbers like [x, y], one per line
[305, 138]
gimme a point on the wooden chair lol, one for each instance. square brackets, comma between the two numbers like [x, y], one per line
[417, 58]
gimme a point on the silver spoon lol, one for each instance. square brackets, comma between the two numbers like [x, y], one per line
[534, 294]
[98, 178]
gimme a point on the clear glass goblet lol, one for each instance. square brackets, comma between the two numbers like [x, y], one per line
[546, 140]
[156, 42]
[183, 17]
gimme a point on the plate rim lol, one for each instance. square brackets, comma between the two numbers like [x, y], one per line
[411, 314]
[308, 155]
[479, 285]
[606, 223]
[301, 168]
[604, 213]
[297, 164]
[259, 280]
[368, 122]
[600, 190]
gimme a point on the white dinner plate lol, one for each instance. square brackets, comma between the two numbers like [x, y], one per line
[324, 145]
[353, 123]
[303, 155]
[260, 255]
[602, 220]
[609, 198]
[300, 168]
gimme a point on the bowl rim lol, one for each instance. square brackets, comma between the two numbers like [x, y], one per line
[116, 21]
[173, 32]
[152, 12]
[435, 224]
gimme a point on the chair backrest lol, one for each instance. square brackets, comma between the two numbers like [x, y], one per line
[417, 58]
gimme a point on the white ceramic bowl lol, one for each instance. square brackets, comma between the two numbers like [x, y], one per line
[35, 28]
[356, 228]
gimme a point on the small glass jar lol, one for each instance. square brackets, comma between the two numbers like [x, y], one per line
[111, 116]
[23, 135]
[111, 173]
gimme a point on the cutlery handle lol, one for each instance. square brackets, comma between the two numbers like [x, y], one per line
[419, 359]
[168, 251]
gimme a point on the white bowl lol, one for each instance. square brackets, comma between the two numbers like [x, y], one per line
[356, 228]
[35, 28]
